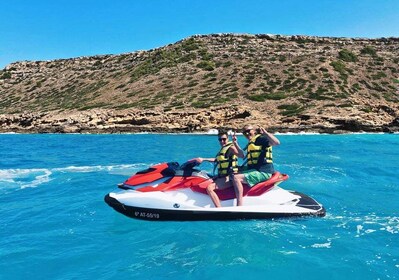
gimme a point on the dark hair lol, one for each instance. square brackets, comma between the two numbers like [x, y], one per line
[222, 132]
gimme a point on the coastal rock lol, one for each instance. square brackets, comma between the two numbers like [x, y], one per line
[190, 121]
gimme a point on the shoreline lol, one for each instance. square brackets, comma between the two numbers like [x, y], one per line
[195, 133]
[212, 131]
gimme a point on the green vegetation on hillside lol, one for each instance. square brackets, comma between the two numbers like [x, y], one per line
[203, 71]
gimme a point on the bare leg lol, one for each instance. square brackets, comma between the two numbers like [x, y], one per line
[238, 179]
[218, 184]
[211, 192]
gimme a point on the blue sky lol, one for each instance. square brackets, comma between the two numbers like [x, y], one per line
[45, 30]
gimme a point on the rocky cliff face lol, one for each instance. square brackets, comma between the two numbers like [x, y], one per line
[285, 83]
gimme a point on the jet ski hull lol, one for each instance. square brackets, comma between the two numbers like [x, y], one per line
[309, 206]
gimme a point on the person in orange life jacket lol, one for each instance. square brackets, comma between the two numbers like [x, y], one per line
[259, 159]
[226, 161]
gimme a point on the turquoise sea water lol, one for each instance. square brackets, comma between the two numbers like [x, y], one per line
[55, 225]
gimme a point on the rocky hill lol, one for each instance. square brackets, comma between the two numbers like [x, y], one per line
[285, 83]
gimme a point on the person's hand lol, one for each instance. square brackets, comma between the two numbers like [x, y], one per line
[234, 137]
[262, 130]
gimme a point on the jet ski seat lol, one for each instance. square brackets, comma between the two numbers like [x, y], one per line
[256, 190]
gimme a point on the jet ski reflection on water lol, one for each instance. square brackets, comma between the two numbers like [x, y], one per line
[169, 191]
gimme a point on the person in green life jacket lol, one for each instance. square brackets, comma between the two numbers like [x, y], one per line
[259, 159]
[226, 162]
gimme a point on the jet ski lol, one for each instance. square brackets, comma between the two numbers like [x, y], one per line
[174, 192]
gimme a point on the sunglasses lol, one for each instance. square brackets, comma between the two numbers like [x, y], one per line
[247, 132]
[222, 139]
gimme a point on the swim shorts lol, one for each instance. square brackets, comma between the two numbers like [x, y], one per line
[253, 176]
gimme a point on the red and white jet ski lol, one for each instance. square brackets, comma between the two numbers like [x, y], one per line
[170, 191]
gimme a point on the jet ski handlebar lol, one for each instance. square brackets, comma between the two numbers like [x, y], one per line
[189, 165]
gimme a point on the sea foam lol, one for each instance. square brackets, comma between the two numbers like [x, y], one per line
[34, 177]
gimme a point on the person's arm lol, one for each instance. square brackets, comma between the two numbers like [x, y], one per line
[200, 160]
[273, 141]
[233, 151]
[238, 150]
